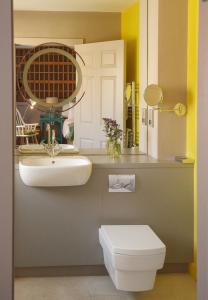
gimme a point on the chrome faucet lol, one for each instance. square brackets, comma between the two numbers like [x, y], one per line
[52, 147]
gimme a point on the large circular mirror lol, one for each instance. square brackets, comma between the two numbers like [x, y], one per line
[50, 76]
[153, 95]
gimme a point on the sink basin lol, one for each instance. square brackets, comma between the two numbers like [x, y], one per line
[58, 171]
[38, 148]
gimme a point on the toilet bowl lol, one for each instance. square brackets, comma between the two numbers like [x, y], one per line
[132, 255]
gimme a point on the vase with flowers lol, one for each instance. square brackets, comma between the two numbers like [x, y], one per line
[114, 137]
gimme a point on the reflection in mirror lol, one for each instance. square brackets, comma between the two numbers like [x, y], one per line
[73, 86]
[131, 92]
[153, 95]
[128, 93]
[48, 80]
[49, 75]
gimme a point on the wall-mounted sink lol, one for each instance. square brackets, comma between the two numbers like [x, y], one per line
[59, 171]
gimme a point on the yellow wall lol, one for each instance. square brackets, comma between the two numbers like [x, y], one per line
[130, 33]
[192, 102]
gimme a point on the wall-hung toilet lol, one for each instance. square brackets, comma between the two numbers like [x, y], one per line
[132, 255]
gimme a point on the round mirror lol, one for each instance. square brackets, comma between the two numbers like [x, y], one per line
[153, 95]
[51, 76]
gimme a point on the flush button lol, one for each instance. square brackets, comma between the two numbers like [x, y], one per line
[121, 183]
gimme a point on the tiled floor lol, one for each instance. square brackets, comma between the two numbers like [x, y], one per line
[168, 287]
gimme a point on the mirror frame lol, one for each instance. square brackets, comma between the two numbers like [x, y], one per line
[40, 101]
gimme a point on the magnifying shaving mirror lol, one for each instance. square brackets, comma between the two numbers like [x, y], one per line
[153, 95]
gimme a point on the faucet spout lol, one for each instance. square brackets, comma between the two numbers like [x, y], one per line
[48, 129]
[52, 147]
[53, 136]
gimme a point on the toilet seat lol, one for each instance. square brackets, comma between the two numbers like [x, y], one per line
[132, 240]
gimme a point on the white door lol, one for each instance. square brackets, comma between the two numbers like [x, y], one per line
[103, 83]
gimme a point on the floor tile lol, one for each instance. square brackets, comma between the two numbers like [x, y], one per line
[171, 287]
[168, 287]
[114, 297]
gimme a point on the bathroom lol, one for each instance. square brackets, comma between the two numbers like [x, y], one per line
[76, 192]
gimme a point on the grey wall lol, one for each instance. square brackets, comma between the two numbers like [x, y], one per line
[202, 154]
[172, 75]
[91, 26]
[6, 149]
[59, 226]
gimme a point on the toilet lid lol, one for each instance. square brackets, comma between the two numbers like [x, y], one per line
[131, 239]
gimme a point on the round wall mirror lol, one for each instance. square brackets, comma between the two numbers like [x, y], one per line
[50, 76]
[153, 95]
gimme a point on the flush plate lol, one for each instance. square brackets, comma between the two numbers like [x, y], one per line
[121, 183]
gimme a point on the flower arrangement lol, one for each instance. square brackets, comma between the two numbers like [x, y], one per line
[114, 136]
[112, 130]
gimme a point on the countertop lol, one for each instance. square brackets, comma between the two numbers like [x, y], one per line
[126, 161]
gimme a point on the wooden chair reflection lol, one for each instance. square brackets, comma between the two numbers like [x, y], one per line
[26, 132]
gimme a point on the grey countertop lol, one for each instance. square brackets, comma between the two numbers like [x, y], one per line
[134, 162]
[126, 161]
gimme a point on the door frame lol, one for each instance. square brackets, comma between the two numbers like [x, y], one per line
[6, 157]
[202, 153]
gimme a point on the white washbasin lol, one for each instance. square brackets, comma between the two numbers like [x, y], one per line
[59, 171]
[39, 148]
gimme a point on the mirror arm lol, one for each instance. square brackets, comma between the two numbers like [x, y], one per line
[179, 109]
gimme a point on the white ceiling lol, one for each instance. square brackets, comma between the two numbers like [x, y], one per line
[73, 5]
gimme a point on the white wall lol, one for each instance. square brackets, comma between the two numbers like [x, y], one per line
[6, 153]
[202, 154]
